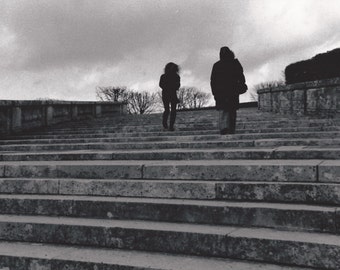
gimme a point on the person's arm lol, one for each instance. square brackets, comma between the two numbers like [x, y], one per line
[213, 81]
[178, 82]
[239, 70]
[241, 80]
[161, 82]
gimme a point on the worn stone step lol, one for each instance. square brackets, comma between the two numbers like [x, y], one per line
[297, 192]
[319, 250]
[196, 117]
[212, 123]
[112, 125]
[252, 170]
[192, 125]
[33, 256]
[257, 129]
[284, 192]
[290, 152]
[252, 214]
[93, 140]
[184, 134]
[178, 143]
[199, 117]
[129, 129]
[125, 137]
[135, 126]
[118, 134]
[126, 145]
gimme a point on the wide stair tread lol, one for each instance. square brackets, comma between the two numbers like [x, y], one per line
[280, 152]
[227, 241]
[299, 217]
[71, 257]
[312, 193]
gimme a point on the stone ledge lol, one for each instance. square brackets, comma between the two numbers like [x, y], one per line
[305, 85]
[52, 102]
[318, 98]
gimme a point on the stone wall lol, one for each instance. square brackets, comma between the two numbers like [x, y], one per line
[17, 116]
[315, 98]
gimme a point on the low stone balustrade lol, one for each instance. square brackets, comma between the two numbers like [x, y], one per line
[314, 98]
[16, 116]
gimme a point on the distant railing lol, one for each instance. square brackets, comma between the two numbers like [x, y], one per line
[17, 116]
[314, 98]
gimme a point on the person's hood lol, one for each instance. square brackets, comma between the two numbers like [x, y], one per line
[226, 54]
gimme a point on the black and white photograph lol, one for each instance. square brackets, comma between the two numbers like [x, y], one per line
[170, 135]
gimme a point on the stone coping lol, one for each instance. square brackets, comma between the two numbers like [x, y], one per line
[304, 85]
[52, 102]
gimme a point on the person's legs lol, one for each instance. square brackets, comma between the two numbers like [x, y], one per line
[165, 113]
[232, 121]
[173, 115]
[223, 121]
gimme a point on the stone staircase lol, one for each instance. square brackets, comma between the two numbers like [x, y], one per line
[119, 193]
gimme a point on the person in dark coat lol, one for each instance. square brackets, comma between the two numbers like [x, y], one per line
[170, 82]
[226, 78]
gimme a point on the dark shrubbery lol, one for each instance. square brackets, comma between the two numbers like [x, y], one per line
[321, 66]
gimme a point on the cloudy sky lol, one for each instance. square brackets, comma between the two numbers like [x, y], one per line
[64, 49]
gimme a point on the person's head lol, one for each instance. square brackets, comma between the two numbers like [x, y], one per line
[171, 68]
[226, 54]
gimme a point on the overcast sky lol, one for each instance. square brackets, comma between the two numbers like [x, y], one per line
[64, 49]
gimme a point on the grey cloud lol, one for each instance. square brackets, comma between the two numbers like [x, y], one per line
[259, 47]
[57, 33]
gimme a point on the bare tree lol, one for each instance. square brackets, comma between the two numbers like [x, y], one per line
[192, 98]
[137, 102]
[141, 102]
[112, 93]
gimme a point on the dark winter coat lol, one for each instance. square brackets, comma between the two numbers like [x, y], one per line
[170, 83]
[225, 76]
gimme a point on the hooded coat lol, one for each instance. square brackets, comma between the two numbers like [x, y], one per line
[226, 75]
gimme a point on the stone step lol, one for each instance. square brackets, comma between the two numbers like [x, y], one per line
[279, 192]
[117, 137]
[34, 256]
[199, 117]
[126, 137]
[281, 152]
[318, 250]
[252, 170]
[186, 128]
[199, 122]
[111, 127]
[190, 135]
[181, 143]
[180, 119]
[115, 134]
[206, 129]
[251, 214]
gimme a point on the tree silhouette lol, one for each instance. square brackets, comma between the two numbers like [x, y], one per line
[141, 102]
[192, 98]
[112, 93]
[137, 102]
